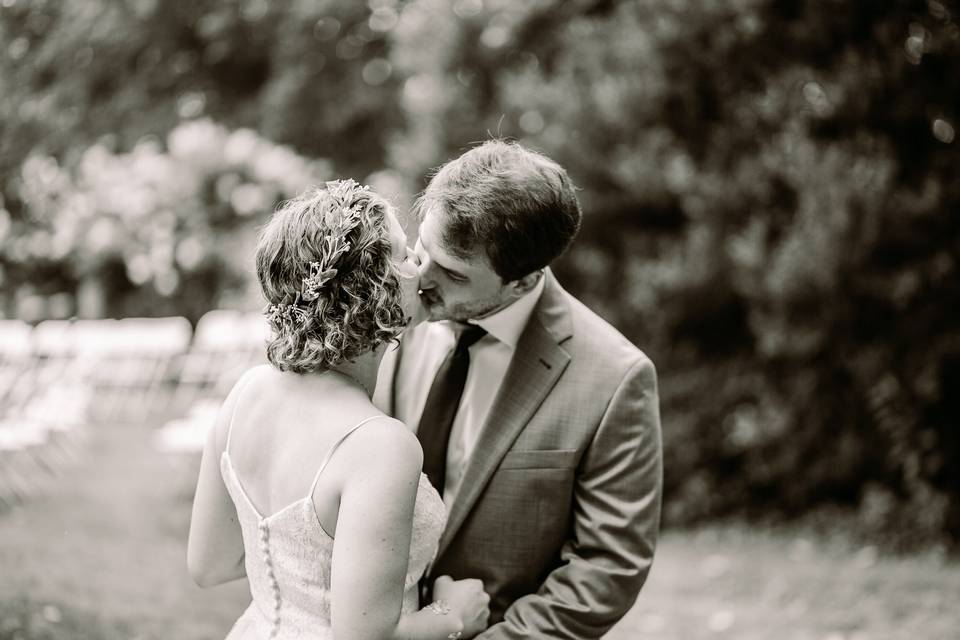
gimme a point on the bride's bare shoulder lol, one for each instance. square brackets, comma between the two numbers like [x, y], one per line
[387, 445]
[260, 372]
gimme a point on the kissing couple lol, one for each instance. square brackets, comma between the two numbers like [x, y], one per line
[445, 444]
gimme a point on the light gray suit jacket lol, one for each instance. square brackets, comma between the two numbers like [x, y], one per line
[559, 508]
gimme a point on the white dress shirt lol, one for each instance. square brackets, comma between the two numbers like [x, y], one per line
[489, 359]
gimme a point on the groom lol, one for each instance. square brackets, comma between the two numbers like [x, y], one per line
[539, 422]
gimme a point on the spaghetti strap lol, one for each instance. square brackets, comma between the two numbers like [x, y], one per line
[233, 412]
[336, 445]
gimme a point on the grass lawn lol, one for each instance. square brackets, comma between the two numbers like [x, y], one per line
[102, 556]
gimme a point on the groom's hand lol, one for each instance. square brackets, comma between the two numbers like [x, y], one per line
[467, 599]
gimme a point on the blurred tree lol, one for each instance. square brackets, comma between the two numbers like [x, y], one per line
[332, 90]
[115, 76]
[172, 221]
[771, 192]
[309, 74]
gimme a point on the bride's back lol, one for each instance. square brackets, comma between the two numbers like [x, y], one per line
[279, 436]
[284, 426]
[330, 264]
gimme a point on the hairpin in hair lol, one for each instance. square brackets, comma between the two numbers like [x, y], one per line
[287, 315]
[340, 219]
[313, 284]
[344, 189]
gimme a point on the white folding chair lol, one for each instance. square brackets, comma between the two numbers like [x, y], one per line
[130, 360]
[26, 470]
[225, 344]
[187, 435]
[16, 361]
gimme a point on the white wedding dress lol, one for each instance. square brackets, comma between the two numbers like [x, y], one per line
[288, 556]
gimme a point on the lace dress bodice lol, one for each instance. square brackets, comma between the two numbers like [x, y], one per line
[288, 557]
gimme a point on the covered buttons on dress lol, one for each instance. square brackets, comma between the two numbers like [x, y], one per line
[264, 529]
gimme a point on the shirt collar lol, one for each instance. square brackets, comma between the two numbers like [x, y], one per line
[507, 324]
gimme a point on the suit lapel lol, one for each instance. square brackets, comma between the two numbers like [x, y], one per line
[536, 366]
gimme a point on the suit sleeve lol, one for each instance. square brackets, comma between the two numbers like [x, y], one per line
[617, 499]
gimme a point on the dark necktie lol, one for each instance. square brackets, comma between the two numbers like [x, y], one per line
[442, 404]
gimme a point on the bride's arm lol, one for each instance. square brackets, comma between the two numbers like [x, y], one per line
[372, 542]
[215, 543]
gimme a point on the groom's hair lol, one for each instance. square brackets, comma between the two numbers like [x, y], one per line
[515, 205]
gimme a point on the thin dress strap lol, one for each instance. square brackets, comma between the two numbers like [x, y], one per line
[336, 445]
[240, 386]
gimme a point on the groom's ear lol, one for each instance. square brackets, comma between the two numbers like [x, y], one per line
[527, 282]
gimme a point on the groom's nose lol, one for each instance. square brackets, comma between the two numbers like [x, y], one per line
[423, 264]
[423, 270]
[425, 267]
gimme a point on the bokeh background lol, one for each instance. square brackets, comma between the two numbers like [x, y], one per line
[771, 192]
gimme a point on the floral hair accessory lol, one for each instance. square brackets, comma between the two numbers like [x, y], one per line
[313, 284]
[286, 315]
[339, 219]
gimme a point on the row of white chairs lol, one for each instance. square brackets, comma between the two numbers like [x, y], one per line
[60, 376]
[231, 344]
[216, 330]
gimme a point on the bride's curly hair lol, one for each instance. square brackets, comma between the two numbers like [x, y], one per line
[355, 310]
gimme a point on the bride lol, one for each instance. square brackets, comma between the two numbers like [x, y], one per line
[305, 487]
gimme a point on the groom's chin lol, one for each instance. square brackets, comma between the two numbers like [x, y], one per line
[436, 313]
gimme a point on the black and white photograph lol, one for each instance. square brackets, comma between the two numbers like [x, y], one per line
[493, 319]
